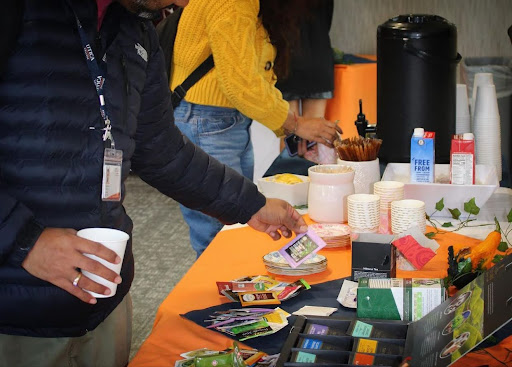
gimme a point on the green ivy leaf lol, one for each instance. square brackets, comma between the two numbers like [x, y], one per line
[440, 205]
[471, 207]
[455, 213]
[430, 235]
[464, 266]
[447, 224]
[497, 258]
[502, 247]
[509, 216]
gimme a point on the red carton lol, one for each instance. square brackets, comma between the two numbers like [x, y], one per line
[462, 159]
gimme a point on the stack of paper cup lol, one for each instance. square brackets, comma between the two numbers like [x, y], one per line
[407, 213]
[480, 79]
[388, 191]
[363, 213]
[487, 128]
[462, 117]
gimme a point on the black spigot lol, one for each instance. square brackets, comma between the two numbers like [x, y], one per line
[361, 122]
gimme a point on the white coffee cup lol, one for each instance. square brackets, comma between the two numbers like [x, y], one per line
[113, 239]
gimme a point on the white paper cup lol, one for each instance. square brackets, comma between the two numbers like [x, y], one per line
[113, 239]
[486, 102]
[388, 191]
[406, 213]
[462, 105]
[363, 213]
[480, 79]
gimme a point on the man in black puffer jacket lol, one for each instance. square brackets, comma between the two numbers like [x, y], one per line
[55, 125]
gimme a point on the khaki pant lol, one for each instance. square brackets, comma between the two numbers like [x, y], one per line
[106, 346]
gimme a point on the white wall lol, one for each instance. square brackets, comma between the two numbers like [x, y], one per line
[481, 24]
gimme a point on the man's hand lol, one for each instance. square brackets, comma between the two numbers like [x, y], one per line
[278, 216]
[59, 253]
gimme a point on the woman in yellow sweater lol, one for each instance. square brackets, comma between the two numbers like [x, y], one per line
[244, 36]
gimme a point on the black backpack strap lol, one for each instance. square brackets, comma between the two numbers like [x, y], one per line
[181, 90]
[167, 30]
[11, 19]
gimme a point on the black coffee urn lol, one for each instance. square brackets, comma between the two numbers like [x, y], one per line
[416, 83]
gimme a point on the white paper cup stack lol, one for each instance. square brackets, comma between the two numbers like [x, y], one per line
[406, 213]
[388, 191]
[487, 128]
[364, 213]
[462, 117]
[480, 79]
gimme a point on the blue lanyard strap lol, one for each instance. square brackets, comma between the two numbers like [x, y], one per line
[97, 78]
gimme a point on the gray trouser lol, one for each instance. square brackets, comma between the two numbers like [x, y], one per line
[108, 345]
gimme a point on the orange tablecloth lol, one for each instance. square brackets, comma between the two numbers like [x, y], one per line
[232, 254]
[351, 83]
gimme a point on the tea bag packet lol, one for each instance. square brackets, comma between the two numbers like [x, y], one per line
[259, 298]
[415, 249]
[365, 359]
[231, 359]
[364, 345]
[348, 294]
[253, 330]
[293, 289]
[301, 248]
[307, 357]
[199, 352]
[312, 343]
[317, 329]
[315, 311]
[268, 282]
[362, 329]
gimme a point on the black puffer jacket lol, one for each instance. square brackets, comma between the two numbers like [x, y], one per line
[51, 153]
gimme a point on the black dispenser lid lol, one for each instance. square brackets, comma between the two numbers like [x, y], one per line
[417, 26]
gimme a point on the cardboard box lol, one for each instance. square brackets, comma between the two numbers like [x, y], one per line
[406, 299]
[440, 338]
[373, 256]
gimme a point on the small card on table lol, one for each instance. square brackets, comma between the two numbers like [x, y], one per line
[301, 248]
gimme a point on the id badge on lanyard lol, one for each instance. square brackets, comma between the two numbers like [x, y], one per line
[111, 183]
[112, 158]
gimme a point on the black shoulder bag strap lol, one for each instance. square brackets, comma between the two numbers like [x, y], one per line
[167, 30]
[11, 19]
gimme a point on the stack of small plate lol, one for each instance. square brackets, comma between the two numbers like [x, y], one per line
[275, 263]
[335, 235]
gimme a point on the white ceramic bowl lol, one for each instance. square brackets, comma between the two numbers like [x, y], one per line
[295, 194]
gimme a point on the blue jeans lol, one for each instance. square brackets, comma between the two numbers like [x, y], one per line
[224, 133]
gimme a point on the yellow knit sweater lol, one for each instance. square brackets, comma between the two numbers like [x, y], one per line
[242, 77]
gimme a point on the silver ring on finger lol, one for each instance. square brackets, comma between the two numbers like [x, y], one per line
[77, 279]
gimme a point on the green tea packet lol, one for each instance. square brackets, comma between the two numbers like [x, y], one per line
[258, 328]
[230, 359]
[360, 329]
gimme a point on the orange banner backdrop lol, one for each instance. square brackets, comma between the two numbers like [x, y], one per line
[352, 83]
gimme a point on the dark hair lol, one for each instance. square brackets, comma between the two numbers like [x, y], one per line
[281, 19]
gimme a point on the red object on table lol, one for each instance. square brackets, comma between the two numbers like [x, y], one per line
[232, 254]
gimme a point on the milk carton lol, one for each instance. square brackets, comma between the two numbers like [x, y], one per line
[462, 159]
[422, 155]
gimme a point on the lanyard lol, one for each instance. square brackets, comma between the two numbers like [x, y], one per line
[97, 78]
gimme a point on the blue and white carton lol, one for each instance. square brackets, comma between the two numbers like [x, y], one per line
[422, 156]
